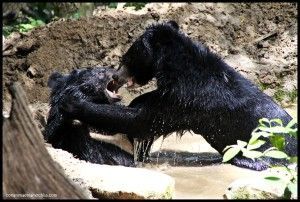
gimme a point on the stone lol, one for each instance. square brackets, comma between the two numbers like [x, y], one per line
[115, 182]
[251, 188]
[31, 72]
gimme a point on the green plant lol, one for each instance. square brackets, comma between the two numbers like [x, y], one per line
[22, 27]
[76, 15]
[32, 24]
[275, 131]
[292, 95]
[279, 95]
[263, 86]
[112, 5]
[137, 6]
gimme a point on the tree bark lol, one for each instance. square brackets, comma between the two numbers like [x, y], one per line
[28, 169]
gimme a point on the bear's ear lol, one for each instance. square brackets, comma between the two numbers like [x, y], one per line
[163, 36]
[54, 79]
[165, 33]
[173, 24]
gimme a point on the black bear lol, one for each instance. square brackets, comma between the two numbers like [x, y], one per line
[94, 85]
[196, 90]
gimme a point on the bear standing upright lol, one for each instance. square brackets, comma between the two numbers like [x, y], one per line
[196, 90]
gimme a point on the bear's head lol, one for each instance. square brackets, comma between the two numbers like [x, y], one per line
[139, 63]
[91, 84]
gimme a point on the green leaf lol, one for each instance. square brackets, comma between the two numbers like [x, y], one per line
[278, 141]
[273, 178]
[293, 159]
[26, 26]
[291, 123]
[275, 129]
[270, 149]
[241, 144]
[76, 16]
[38, 23]
[112, 5]
[227, 147]
[264, 133]
[256, 144]
[230, 153]
[252, 154]
[263, 122]
[293, 133]
[278, 121]
[254, 137]
[276, 154]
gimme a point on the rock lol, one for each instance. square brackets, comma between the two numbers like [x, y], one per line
[115, 182]
[155, 16]
[31, 72]
[250, 188]
[264, 61]
[234, 50]
[263, 44]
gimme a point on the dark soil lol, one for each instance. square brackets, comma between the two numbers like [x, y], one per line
[236, 31]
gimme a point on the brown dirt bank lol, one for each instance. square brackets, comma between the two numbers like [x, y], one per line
[231, 29]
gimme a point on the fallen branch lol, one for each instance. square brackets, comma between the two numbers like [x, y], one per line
[265, 37]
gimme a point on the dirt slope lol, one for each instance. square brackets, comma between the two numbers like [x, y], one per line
[240, 33]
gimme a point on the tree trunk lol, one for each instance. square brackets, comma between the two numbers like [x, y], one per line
[28, 169]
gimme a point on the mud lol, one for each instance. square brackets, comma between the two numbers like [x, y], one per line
[237, 31]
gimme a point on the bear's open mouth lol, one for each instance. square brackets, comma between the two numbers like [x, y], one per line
[112, 90]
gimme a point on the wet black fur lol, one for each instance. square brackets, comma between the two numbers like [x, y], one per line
[196, 91]
[64, 133]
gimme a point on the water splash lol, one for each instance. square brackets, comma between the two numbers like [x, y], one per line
[141, 150]
[159, 150]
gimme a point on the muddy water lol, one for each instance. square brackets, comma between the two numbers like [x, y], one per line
[193, 179]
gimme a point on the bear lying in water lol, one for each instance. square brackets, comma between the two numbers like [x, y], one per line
[94, 85]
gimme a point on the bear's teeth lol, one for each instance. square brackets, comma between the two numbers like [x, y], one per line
[113, 94]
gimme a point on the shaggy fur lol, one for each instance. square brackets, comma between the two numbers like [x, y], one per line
[67, 134]
[196, 91]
